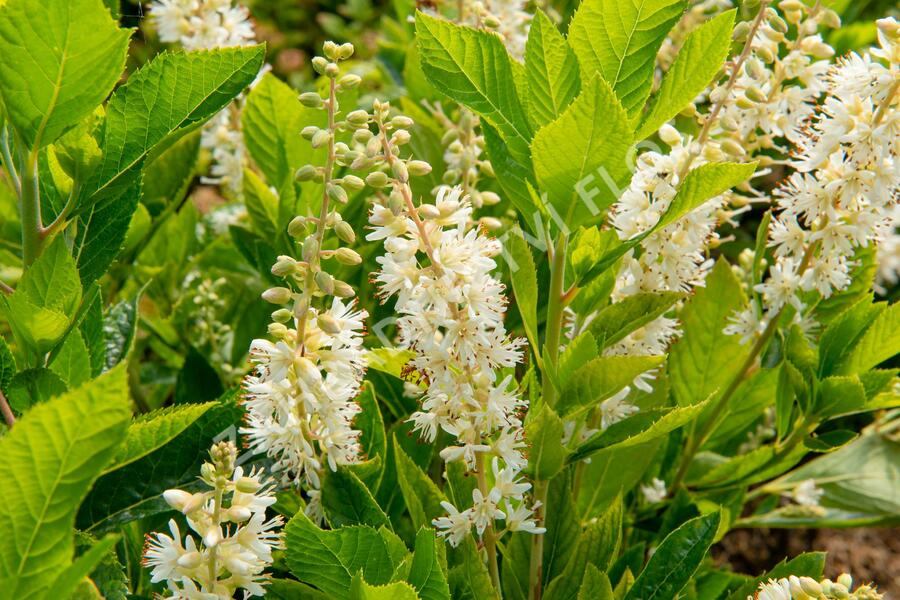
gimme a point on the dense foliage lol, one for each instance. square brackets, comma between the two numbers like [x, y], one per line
[479, 300]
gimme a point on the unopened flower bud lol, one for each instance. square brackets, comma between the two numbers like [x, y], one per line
[332, 70]
[845, 580]
[319, 63]
[331, 50]
[345, 232]
[345, 51]
[297, 226]
[190, 560]
[309, 132]
[247, 485]
[358, 117]
[177, 499]
[322, 137]
[732, 147]
[428, 211]
[305, 173]
[669, 135]
[830, 18]
[755, 94]
[353, 182]
[277, 295]
[811, 586]
[311, 99]
[402, 122]
[418, 168]
[328, 324]
[377, 179]
[741, 30]
[284, 266]
[325, 282]
[337, 193]
[491, 21]
[778, 24]
[212, 537]
[239, 514]
[342, 289]
[400, 172]
[400, 137]
[282, 315]
[490, 223]
[346, 256]
[306, 370]
[349, 81]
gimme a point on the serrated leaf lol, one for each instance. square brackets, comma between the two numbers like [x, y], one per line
[72, 363]
[272, 119]
[577, 156]
[347, 501]
[513, 176]
[547, 455]
[675, 560]
[52, 281]
[330, 559]
[153, 430]
[523, 275]
[699, 60]
[7, 366]
[398, 590]
[551, 69]
[119, 328]
[262, 205]
[630, 314]
[596, 585]
[423, 498]
[167, 176]
[841, 335]
[102, 230]
[61, 58]
[601, 378]
[839, 395]
[705, 360]
[473, 68]
[880, 342]
[637, 429]
[66, 582]
[703, 183]
[426, 573]
[33, 386]
[620, 40]
[45, 482]
[135, 490]
[160, 102]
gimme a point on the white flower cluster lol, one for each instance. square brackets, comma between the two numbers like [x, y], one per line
[199, 24]
[300, 397]
[807, 588]
[507, 17]
[205, 24]
[779, 83]
[844, 191]
[693, 17]
[234, 541]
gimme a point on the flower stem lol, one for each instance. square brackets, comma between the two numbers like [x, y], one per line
[535, 571]
[30, 204]
[489, 537]
[555, 307]
[8, 415]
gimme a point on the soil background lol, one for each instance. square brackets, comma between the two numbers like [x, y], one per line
[867, 554]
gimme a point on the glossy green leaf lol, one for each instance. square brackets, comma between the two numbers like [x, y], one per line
[423, 498]
[426, 573]
[523, 275]
[581, 157]
[630, 314]
[697, 63]
[61, 58]
[547, 455]
[102, 229]
[398, 590]
[880, 342]
[601, 378]
[551, 69]
[167, 176]
[45, 482]
[347, 501]
[620, 40]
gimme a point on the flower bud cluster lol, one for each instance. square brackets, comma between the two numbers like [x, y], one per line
[693, 17]
[463, 155]
[844, 191]
[234, 540]
[451, 307]
[205, 24]
[807, 588]
[779, 83]
[506, 17]
[300, 397]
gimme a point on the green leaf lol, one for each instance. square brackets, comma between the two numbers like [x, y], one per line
[272, 119]
[705, 182]
[551, 70]
[630, 314]
[523, 275]
[620, 40]
[72, 363]
[838, 396]
[347, 501]
[637, 429]
[808, 564]
[697, 63]
[7, 366]
[50, 459]
[842, 334]
[61, 58]
[398, 590]
[880, 342]
[102, 230]
[262, 205]
[167, 176]
[33, 386]
[161, 101]
[67, 581]
[119, 328]
[423, 498]
[596, 585]
[52, 281]
[135, 490]
[578, 353]
[601, 378]
[705, 359]
[547, 455]
[513, 175]
[582, 151]
[675, 560]
[330, 559]
[469, 577]
[426, 573]
[153, 430]
[473, 68]
[291, 589]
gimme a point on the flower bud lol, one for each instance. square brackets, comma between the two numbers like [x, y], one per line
[177, 499]
[377, 179]
[358, 117]
[282, 315]
[239, 514]
[328, 324]
[305, 173]
[332, 70]
[311, 99]
[349, 81]
[247, 485]
[741, 30]
[811, 586]
[337, 193]
[297, 226]
[669, 135]
[345, 232]
[277, 295]
[755, 94]
[190, 560]
[306, 370]
[309, 132]
[353, 182]
[830, 19]
[319, 63]
[331, 50]
[400, 137]
[489, 198]
[325, 282]
[845, 580]
[212, 537]
[428, 211]
[362, 136]
[778, 24]
[342, 289]
[346, 256]
[345, 51]
[490, 223]
[400, 172]
[732, 147]
[402, 122]
[322, 137]
[418, 168]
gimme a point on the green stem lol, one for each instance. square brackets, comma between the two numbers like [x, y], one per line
[555, 307]
[30, 204]
[535, 571]
[8, 161]
[489, 537]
